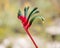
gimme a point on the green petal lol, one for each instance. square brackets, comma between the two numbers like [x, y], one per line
[26, 10]
[40, 17]
[36, 12]
[19, 13]
[32, 12]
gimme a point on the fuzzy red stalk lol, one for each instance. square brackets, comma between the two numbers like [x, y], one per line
[31, 38]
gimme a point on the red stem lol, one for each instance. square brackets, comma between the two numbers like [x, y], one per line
[31, 37]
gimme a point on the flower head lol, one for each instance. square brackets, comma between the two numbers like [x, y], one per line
[26, 19]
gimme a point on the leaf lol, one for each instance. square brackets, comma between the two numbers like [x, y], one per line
[40, 17]
[26, 10]
[19, 13]
[32, 12]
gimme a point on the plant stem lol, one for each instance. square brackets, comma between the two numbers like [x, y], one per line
[31, 37]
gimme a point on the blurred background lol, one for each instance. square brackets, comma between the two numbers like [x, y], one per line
[12, 33]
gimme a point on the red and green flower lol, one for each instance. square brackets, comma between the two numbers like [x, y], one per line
[26, 19]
